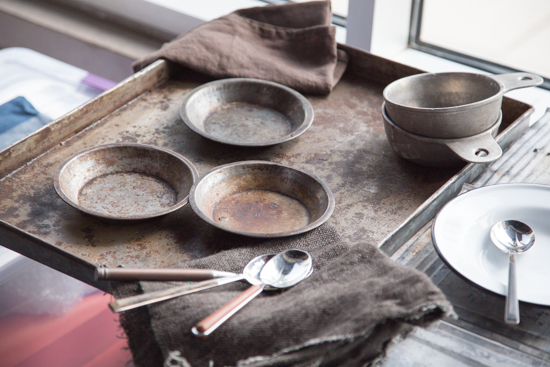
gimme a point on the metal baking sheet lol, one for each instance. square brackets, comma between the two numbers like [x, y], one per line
[380, 198]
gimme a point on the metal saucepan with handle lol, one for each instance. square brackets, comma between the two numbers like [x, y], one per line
[451, 105]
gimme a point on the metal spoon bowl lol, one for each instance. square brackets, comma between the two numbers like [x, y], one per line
[253, 269]
[287, 269]
[283, 270]
[513, 237]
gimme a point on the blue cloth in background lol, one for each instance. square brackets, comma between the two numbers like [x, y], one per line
[15, 112]
[18, 119]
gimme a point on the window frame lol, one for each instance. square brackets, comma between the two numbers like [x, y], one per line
[416, 43]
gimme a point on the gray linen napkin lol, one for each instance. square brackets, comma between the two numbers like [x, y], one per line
[291, 44]
[345, 314]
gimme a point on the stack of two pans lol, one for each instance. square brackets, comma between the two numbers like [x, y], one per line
[447, 119]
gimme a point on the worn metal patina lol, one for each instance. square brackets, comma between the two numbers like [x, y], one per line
[125, 181]
[262, 199]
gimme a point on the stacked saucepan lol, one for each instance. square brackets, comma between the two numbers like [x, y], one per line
[446, 119]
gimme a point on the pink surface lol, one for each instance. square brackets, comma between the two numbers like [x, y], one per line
[89, 336]
[98, 82]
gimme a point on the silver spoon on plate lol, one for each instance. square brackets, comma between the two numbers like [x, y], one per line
[513, 237]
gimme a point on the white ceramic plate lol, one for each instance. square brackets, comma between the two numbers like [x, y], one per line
[461, 237]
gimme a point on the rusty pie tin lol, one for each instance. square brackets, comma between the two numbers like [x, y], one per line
[246, 112]
[125, 181]
[261, 199]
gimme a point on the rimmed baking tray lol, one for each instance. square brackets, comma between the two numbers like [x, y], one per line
[380, 198]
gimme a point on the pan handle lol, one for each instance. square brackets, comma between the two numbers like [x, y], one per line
[481, 148]
[513, 81]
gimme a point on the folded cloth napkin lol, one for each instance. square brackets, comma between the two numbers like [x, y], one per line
[291, 44]
[355, 302]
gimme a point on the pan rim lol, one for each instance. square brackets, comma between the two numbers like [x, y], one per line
[58, 172]
[304, 102]
[331, 203]
[468, 106]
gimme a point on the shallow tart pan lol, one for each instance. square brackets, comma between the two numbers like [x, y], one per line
[125, 181]
[261, 199]
[246, 112]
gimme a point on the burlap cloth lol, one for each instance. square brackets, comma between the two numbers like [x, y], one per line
[345, 314]
[291, 44]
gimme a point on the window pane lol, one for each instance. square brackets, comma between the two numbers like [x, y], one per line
[339, 7]
[513, 33]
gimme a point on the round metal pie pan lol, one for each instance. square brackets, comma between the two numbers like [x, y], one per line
[246, 112]
[125, 181]
[261, 199]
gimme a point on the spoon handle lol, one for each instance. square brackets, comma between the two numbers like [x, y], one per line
[159, 274]
[511, 313]
[129, 303]
[211, 323]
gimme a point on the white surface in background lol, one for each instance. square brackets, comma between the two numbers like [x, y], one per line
[51, 86]
[510, 32]
[339, 7]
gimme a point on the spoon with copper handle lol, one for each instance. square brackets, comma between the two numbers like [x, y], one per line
[283, 270]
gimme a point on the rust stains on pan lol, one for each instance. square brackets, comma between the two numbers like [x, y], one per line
[127, 193]
[261, 211]
[125, 181]
[261, 199]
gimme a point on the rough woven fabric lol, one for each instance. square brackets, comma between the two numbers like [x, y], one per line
[345, 314]
[291, 44]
